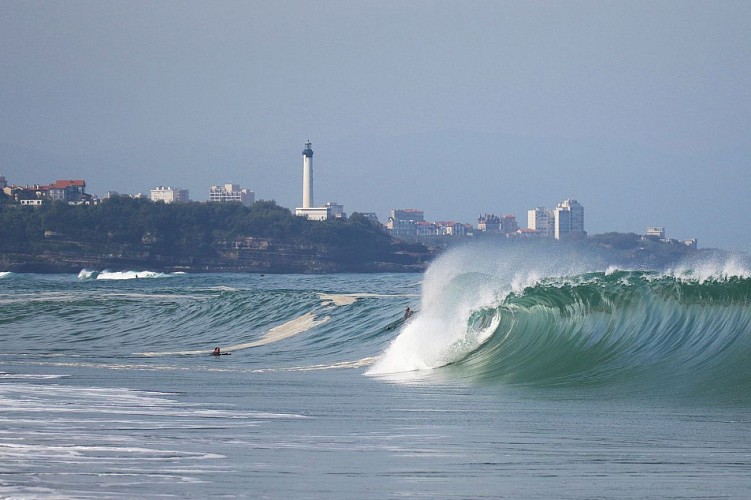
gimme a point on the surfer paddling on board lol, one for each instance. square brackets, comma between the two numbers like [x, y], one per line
[218, 352]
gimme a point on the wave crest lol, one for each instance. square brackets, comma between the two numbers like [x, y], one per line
[87, 274]
[688, 326]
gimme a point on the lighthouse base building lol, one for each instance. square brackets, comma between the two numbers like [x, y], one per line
[313, 213]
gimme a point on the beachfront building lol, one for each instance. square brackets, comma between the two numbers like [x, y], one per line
[407, 214]
[229, 193]
[569, 220]
[564, 222]
[656, 232]
[68, 191]
[72, 192]
[22, 195]
[403, 222]
[508, 224]
[32, 203]
[489, 223]
[541, 221]
[335, 210]
[451, 228]
[425, 228]
[169, 195]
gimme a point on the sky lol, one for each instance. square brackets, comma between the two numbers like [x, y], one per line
[640, 110]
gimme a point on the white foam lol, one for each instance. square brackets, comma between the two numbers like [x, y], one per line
[4, 274]
[345, 299]
[129, 275]
[359, 363]
[520, 281]
[284, 331]
[721, 269]
[611, 270]
[338, 300]
[430, 342]
[122, 275]
[460, 282]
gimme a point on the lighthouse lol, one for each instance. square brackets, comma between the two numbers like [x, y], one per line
[307, 176]
[308, 210]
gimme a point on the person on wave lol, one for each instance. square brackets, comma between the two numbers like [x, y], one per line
[218, 352]
[408, 312]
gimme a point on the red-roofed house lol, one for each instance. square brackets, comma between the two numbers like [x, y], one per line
[68, 191]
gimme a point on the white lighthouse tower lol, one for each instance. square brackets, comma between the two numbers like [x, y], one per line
[307, 176]
[307, 209]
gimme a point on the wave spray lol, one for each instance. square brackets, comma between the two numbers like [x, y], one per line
[549, 319]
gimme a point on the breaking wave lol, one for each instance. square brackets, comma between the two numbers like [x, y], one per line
[87, 274]
[515, 323]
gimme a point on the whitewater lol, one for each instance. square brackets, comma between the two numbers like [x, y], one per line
[523, 373]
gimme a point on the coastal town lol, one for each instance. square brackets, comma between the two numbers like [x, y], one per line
[564, 222]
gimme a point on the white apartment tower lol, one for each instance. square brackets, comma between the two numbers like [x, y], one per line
[565, 221]
[541, 220]
[569, 220]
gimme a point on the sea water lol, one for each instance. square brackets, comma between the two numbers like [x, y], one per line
[518, 377]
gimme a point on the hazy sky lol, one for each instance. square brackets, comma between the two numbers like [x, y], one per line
[639, 110]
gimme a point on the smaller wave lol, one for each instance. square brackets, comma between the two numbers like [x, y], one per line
[294, 327]
[25, 376]
[5, 274]
[86, 274]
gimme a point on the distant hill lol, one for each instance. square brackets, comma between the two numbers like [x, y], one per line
[126, 233]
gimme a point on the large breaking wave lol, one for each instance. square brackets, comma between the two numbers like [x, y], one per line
[531, 320]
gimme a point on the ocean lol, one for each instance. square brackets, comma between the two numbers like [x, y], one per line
[521, 375]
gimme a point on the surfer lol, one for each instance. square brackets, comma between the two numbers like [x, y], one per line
[408, 312]
[217, 352]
